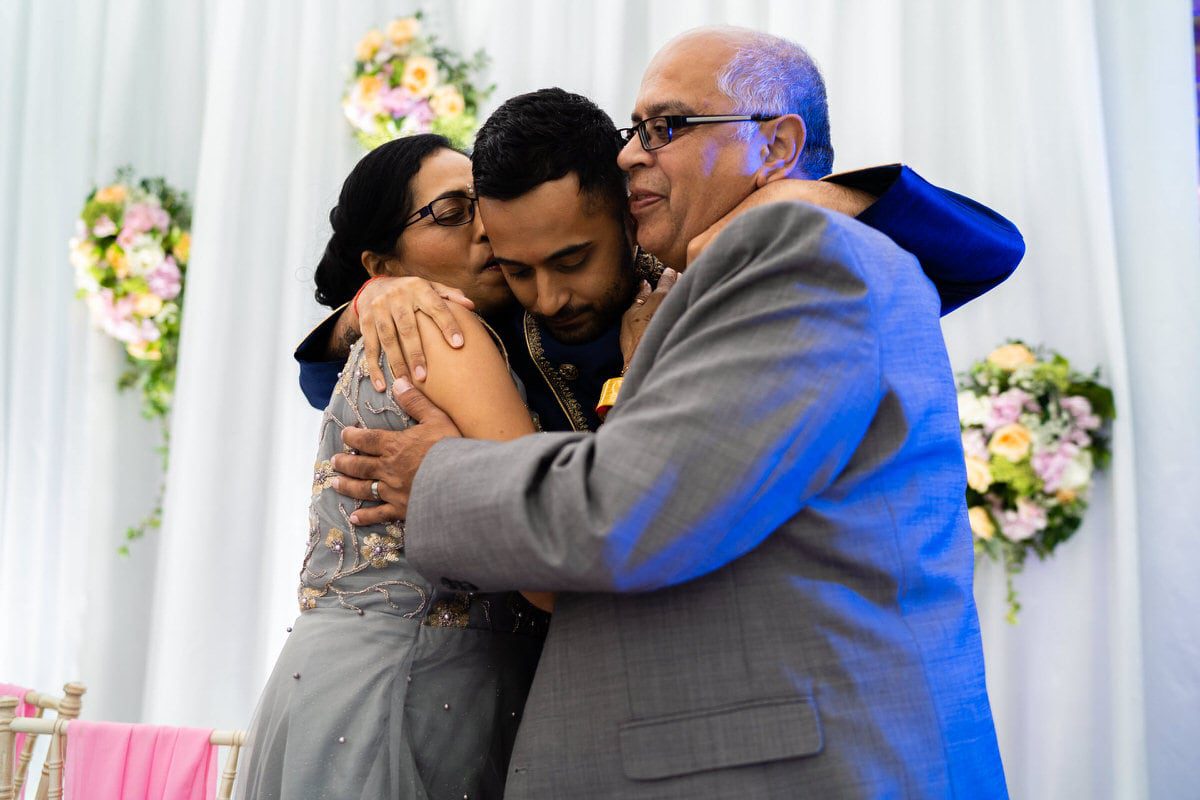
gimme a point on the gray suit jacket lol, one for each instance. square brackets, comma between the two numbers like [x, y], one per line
[764, 553]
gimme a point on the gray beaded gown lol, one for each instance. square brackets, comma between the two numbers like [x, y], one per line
[388, 686]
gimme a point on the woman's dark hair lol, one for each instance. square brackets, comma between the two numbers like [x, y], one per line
[375, 201]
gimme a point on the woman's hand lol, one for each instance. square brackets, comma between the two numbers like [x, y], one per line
[635, 320]
[387, 311]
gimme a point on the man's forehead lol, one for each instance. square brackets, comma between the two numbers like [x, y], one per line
[660, 108]
[535, 226]
[677, 86]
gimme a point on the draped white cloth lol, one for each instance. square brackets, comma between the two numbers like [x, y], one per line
[1073, 117]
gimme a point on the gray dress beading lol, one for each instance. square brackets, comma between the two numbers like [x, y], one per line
[388, 686]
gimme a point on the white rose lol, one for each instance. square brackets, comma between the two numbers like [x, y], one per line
[145, 255]
[1078, 473]
[972, 409]
[85, 281]
[83, 255]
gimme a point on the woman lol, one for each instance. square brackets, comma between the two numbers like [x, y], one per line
[388, 685]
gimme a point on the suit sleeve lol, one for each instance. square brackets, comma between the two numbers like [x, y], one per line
[751, 391]
[317, 375]
[964, 247]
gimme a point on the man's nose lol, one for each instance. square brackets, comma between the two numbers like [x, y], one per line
[552, 295]
[633, 155]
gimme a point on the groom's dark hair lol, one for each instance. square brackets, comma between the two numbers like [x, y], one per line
[546, 135]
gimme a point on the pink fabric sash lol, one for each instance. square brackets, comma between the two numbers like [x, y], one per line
[23, 710]
[119, 761]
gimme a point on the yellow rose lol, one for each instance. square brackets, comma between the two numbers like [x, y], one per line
[114, 256]
[447, 101]
[979, 474]
[981, 522]
[1011, 356]
[420, 75]
[369, 87]
[369, 45]
[183, 248]
[403, 31]
[147, 304]
[146, 351]
[1066, 496]
[111, 194]
[1011, 442]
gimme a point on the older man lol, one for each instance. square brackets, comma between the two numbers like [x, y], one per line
[763, 554]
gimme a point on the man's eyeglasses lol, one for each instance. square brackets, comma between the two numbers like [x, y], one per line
[457, 209]
[656, 132]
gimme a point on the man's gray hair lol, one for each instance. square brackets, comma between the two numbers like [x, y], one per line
[770, 75]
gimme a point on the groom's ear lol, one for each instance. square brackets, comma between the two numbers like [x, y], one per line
[785, 137]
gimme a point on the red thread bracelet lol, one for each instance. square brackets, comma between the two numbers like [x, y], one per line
[354, 302]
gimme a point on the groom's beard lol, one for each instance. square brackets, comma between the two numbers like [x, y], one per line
[582, 323]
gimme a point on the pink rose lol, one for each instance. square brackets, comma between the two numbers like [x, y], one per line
[1031, 513]
[147, 331]
[104, 227]
[142, 218]
[1051, 464]
[422, 113]
[165, 280]
[1006, 408]
[398, 102]
[1080, 409]
[115, 318]
[974, 444]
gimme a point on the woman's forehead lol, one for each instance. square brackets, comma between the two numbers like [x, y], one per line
[445, 170]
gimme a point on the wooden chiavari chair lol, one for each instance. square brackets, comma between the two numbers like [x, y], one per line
[59, 730]
[66, 707]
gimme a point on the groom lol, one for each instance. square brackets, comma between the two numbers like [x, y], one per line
[763, 554]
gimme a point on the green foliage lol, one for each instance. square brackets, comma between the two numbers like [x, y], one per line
[459, 129]
[1055, 373]
[1020, 479]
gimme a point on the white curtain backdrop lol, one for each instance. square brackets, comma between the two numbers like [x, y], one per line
[1076, 118]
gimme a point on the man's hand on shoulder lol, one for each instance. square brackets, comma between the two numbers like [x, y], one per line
[832, 196]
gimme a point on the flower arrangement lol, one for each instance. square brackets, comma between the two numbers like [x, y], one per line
[404, 83]
[1033, 431]
[130, 254]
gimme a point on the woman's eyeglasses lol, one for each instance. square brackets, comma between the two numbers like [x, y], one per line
[455, 209]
